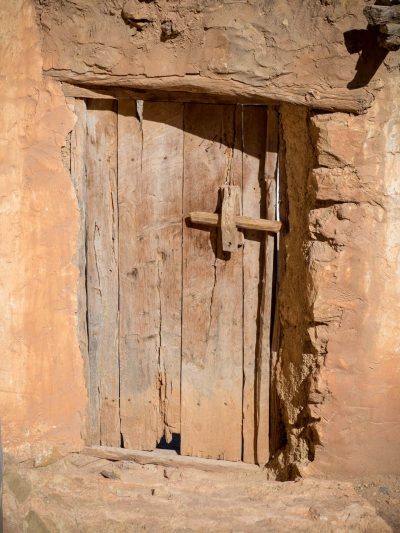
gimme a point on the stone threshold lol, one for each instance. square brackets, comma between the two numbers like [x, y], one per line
[169, 458]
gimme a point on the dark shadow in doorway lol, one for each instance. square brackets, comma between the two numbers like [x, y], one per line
[174, 445]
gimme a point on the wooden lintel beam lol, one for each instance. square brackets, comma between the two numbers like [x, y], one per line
[213, 219]
[201, 88]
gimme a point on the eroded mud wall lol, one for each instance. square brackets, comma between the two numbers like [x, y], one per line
[354, 263]
[338, 368]
[42, 392]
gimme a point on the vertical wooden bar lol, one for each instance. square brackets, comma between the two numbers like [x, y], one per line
[102, 266]
[212, 324]
[255, 354]
[150, 210]
[275, 429]
[254, 124]
[78, 159]
[263, 369]
[260, 137]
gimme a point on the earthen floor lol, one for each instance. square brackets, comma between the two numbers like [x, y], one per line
[79, 493]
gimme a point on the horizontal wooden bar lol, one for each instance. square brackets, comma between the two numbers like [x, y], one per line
[259, 224]
[168, 458]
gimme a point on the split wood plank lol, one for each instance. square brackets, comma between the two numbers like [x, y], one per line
[212, 296]
[169, 459]
[102, 266]
[150, 205]
[255, 401]
[243, 222]
[78, 174]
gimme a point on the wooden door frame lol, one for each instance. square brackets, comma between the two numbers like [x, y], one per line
[76, 172]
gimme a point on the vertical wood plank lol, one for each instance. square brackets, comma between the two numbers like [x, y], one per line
[256, 354]
[78, 159]
[150, 206]
[275, 429]
[263, 367]
[102, 265]
[212, 374]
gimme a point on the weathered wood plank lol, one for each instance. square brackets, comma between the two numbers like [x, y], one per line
[78, 175]
[232, 239]
[333, 99]
[382, 14]
[212, 296]
[214, 220]
[169, 459]
[102, 267]
[268, 294]
[254, 124]
[150, 205]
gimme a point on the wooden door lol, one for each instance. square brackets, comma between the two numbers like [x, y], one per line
[178, 330]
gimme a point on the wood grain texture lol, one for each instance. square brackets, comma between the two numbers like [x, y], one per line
[212, 296]
[150, 204]
[231, 238]
[78, 174]
[255, 224]
[169, 459]
[224, 91]
[268, 294]
[102, 268]
[255, 402]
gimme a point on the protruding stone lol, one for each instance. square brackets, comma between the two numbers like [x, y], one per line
[138, 14]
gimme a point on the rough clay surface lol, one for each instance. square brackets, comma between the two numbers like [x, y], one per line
[292, 50]
[42, 390]
[338, 367]
[80, 493]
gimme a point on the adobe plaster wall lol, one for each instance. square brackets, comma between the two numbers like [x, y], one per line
[42, 390]
[339, 367]
[339, 360]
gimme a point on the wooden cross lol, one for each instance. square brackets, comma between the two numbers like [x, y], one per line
[230, 219]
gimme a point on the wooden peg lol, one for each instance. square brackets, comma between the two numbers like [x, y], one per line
[232, 238]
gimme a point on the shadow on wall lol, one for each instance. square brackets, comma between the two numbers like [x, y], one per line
[364, 42]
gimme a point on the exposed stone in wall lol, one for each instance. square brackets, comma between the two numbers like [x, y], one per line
[297, 360]
[42, 391]
[355, 274]
[339, 364]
